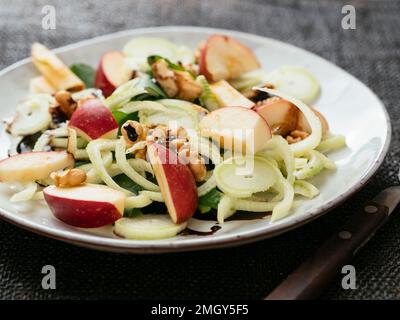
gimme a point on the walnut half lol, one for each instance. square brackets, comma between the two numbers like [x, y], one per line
[69, 178]
[176, 84]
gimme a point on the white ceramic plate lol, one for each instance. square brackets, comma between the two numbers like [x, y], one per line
[350, 107]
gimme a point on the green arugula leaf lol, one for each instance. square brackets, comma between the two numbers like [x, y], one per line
[121, 117]
[210, 199]
[132, 213]
[125, 182]
[84, 72]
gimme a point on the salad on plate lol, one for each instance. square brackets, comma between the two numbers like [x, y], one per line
[161, 134]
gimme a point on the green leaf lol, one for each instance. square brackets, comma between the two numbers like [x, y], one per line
[125, 182]
[121, 117]
[210, 199]
[132, 213]
[84, 72]
[138, 88]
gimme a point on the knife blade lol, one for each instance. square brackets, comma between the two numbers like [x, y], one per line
[310, 279]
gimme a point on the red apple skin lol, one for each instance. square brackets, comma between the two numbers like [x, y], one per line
[82, 213]
[104, 80]
[179, 188]
[202, 64]
[101, 82]
[94, 120]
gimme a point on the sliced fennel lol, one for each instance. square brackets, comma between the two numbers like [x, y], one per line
[282, 208]
[148, 227]
[241, 176]
[27, 193]
[137, 146]
[305, 189]
[124, 94]
[250, 79]
[32, 115]
[87, 93]
[207, 98]
[282, 151]
[300, 163]
[94, 150]
[154, 196]
[38, 196]
[315, 164]
[225, 208]
[137, 50]
[131, 89]
[174, 112]
[205, 147]
[138, 201]
[295, 81]
[72, 145]
[331, 143]
[254, 206]
[207, 186]
[194, 111]
[313, 167]
[141, 165]
[122, 162]
[91, 172]
[151, 106]
[313, 140]
[44, 140]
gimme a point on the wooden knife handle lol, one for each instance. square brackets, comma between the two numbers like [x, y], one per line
[312, 277]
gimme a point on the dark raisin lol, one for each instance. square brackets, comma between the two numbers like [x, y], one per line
[132, 134]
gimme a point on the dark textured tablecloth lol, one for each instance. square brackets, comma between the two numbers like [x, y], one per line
[371, 52]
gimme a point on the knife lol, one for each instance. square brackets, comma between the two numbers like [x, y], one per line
[310, 279]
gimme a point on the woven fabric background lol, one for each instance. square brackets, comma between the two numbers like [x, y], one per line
[371, 53]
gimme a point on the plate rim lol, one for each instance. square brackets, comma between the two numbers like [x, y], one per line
[131, 246]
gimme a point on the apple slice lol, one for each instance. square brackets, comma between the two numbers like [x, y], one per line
[280, 114]
[85, 206]
[223, 57]
[303, 125]
[228, 96]
[33, 166]
[112, 72]
[93, 120]
[236, 128]
[176, 181]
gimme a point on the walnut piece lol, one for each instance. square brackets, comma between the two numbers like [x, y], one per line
[133, 132]
[296, 136]
[68, 178]
[194, 161]
[176, 84]
[66, 103]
